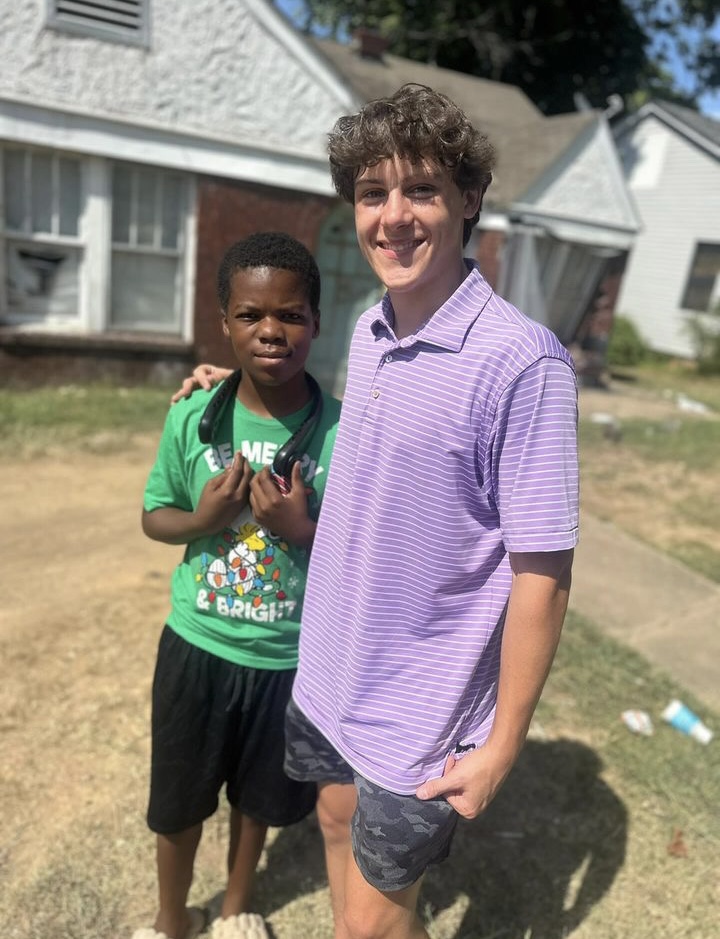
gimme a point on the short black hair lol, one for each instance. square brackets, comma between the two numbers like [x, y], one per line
[416, 123]
[269, 249]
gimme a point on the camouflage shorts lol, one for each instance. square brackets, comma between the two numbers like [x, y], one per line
[394, 837]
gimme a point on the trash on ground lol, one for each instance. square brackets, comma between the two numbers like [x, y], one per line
[638, 722]
[690, 406]
[683, 719]
[612, 428]
[677, 846]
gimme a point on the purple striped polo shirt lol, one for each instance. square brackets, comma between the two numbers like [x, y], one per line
[456, 445]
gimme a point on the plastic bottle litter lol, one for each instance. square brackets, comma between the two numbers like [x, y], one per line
[683, 719]
[638, 722]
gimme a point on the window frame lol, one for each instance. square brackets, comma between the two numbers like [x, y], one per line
[691, 285]
[156, 249]
[76, 243]
[92, 315]
[62, 20]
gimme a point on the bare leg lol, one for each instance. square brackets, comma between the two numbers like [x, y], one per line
[175, 860]
[372, 914]
[335, 806]
[247, 837]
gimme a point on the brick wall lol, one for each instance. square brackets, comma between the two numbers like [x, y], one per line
[228, 212]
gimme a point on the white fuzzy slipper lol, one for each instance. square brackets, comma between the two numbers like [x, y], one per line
[198, 923]
[243, 926]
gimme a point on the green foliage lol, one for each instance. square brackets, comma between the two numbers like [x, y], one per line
[706, 340]
[551, 50]
[626, 346]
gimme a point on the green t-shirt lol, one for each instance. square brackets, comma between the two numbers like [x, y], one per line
[237, 594]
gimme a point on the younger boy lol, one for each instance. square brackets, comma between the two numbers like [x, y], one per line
[228, 653]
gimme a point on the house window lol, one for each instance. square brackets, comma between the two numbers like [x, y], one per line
[40, 227]
[148, 218]
[702, 289]
[115, 20]
[91, 245]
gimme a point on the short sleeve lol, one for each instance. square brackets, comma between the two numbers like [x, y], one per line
[167, 483]
[534, 459]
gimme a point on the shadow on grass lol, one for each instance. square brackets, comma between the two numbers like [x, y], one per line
[295, 866]
[544, 853]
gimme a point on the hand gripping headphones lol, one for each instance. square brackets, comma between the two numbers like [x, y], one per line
[291, 451]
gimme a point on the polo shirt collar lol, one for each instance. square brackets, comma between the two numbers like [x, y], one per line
[449, 325]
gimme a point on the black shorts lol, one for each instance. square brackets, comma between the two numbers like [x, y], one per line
[215, 723]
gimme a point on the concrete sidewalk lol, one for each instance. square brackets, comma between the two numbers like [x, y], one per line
[652, 603]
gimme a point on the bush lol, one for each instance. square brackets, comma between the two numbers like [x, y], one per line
[626, 345]
[706, 340]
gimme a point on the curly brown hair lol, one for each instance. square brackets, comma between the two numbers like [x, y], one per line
[416, 123]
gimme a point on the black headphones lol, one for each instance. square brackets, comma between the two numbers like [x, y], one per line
[290, 452]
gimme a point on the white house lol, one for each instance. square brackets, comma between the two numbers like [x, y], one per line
[125, 129]
[139, 138]
[671, 160]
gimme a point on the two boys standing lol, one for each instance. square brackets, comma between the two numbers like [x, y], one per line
[440, 570]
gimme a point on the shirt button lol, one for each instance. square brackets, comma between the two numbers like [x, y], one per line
[388, 358]
[375, 393]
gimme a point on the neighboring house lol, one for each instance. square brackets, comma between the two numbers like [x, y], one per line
[557, 220]
[671, 158]
[135, 146]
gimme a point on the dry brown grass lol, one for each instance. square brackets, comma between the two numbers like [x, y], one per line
[575, 844]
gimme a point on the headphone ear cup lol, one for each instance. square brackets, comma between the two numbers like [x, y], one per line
[217, 404]
[291, 451]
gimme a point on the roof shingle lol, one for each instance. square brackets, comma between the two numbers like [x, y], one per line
[527, 142]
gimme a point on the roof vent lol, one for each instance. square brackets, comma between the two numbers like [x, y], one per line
[119, 20]
[369, 43]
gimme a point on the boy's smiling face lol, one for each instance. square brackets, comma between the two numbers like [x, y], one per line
[270, 324]
[409, 219]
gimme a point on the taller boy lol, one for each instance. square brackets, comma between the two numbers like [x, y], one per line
[440, 572]
[441, 567]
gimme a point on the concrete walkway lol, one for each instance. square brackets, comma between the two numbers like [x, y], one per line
[652, 603]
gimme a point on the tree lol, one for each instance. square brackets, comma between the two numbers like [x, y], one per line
[551, 48]
[684, 31]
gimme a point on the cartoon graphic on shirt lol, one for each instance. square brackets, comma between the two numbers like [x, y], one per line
[245, 567]
[244, 575]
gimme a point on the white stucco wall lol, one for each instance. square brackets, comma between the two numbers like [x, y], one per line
[227, 68]
[584, 193]
[676, 186]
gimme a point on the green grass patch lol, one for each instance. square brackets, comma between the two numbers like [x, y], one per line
[101, 416]
[582, 827]
[700, 557]
[670, 377]
[691, 441]
[602, 678]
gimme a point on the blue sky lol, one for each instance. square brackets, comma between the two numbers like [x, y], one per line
[709, 103]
